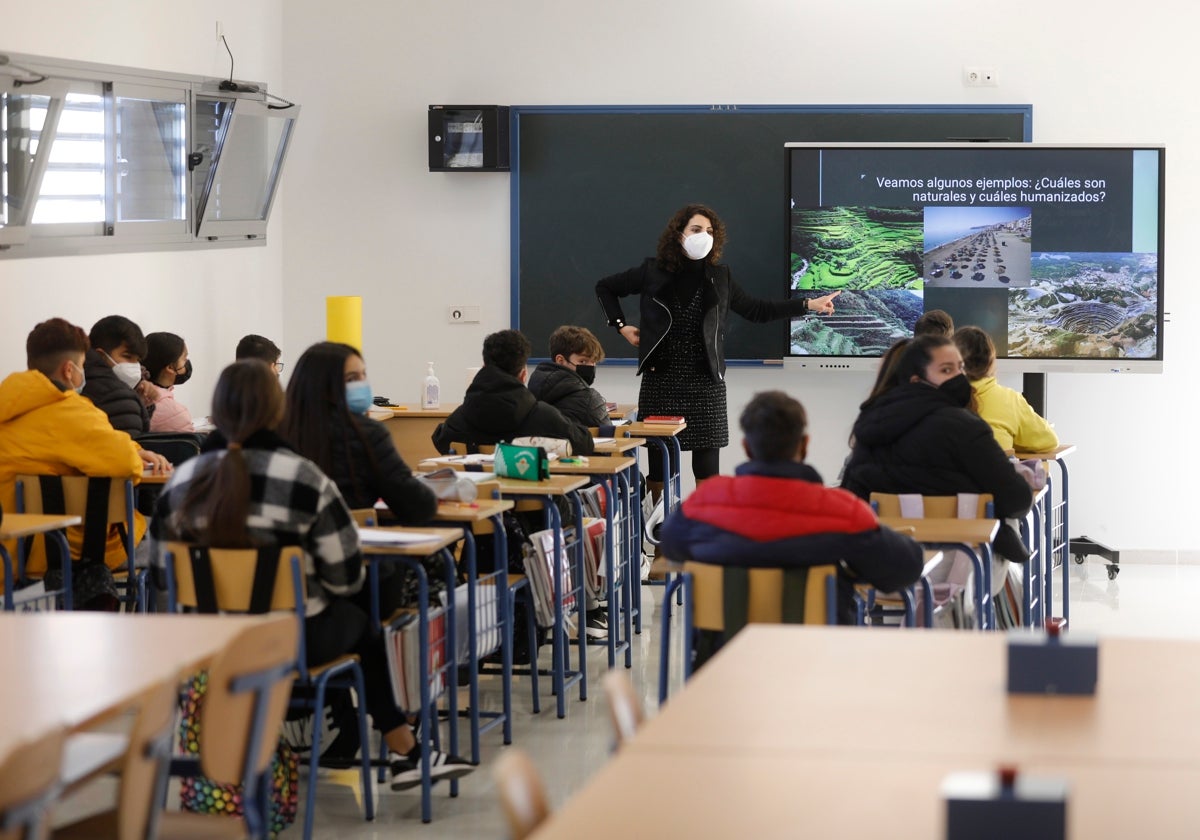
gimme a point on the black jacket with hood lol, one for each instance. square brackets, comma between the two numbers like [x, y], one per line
[564, 389]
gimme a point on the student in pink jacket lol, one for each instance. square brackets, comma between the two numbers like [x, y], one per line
[168, 365]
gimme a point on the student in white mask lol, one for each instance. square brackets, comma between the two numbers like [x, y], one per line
[685, 296]
[114, 373]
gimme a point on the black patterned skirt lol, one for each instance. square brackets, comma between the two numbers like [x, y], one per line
[678, 381]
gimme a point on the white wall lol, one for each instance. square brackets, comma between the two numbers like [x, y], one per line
[366, 217]
[212, 298]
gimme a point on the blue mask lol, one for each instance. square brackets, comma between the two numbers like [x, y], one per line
[358, 396]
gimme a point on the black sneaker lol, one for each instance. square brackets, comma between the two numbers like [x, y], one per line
[596, 625]
[406, 769]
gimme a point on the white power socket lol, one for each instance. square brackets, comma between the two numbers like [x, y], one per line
[974, 76]
[463, 314]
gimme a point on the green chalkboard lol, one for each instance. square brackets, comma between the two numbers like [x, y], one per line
[592, 188]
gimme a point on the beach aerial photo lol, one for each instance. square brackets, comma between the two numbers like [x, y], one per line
[977, 247]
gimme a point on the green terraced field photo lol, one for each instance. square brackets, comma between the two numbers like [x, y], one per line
[857, 248]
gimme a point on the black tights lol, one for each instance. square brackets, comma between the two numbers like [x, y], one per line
[705, 464]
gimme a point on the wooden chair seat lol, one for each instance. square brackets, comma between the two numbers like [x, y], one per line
[316, 670]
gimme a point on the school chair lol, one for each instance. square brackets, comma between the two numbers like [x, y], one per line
[29, 785]
[211, 580]
[962, 506]
[100, 502]
[138, 812]
[522, 794]
[624, 706]
[721, 600]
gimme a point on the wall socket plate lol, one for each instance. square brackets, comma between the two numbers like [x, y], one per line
[975, 76]
[463, 314]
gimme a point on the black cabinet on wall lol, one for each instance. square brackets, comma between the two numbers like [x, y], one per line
[468, 138]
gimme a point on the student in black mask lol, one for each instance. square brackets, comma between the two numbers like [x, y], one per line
[918, 433]
[566, 382]
[168, 366]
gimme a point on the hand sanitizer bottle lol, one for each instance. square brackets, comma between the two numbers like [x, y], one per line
[431, 392]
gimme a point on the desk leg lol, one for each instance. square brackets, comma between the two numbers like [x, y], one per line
[1065, 558]
[8, 579]
[630, 566]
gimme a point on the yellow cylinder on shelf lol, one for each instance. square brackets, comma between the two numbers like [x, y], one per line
[343, 320]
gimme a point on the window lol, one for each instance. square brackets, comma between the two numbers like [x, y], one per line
[99, 159]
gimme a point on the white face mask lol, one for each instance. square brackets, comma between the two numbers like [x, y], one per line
[128, 372]
[697, 245]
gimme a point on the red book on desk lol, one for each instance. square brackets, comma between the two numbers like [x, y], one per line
[663, 419]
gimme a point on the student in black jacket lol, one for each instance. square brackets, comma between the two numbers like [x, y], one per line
[498, 407]
[113, 373]
[917, 434]
[566, 382]
[327, 400]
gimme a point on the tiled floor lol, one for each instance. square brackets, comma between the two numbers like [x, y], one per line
[1146, 599]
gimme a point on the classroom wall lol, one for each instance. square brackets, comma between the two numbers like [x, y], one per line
[210, 298]
[366, 217]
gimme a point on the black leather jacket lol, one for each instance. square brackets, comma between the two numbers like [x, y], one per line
[720, 295]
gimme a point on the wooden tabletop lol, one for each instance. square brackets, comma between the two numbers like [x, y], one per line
[155, 478]
[911, 694]
[1054, 454]
[594, 466]
[439, 538]
[619, 444]
[555, 485]
[476, 511]
[847, 794]
[17, 525]
[72, 669]
[939, 530]
[651, 430]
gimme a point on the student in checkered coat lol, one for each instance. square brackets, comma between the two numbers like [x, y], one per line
[252, 490]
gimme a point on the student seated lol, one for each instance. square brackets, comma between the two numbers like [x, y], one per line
[776, 512]
[918, 435]
[498, 406]
[257, 347]
[114, 373]
[47, 428]
[1014, 422]
[326, 421]
[566, 382]
[934, 322]
[168, 364]
[253, 490]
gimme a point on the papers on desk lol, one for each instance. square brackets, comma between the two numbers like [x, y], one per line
[383, 536]
[477, 458]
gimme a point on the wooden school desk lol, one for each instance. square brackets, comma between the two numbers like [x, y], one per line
[848, 732]
[973, 535]
[412, 428]
[75, 669]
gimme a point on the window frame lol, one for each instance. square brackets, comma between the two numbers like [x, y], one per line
[28, 239]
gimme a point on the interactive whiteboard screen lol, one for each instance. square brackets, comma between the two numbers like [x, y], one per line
[1055, 251]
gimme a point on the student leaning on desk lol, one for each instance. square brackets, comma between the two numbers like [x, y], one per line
[46, 427]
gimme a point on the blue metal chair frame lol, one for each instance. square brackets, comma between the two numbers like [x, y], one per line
[428, 735]
[562, 675]
[67, 591]
[1034, 572]
[616, 573]
[672, 458]
[1058, 542]
[345, 674]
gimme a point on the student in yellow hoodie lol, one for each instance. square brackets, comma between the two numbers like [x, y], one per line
[1014, 422]
[46, 427]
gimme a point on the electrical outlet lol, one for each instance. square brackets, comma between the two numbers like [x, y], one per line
[974, 76]
[463, 314]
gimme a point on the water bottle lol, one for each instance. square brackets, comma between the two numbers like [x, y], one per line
[431, 396]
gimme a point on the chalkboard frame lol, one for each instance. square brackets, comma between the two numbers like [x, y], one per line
[617, 351]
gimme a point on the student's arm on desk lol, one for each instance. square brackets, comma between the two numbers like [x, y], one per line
[89, 444]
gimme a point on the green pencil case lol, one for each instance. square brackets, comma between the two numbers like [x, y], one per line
[529, 463]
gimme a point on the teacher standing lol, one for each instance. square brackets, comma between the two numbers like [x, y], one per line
[686, 296]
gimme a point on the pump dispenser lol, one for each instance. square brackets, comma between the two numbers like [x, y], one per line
[431, 392]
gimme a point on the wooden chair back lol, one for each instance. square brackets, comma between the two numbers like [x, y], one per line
[522, 795]
[227, 718]
[28, 781]
[936, 507]
[458, 447]
[240, 580]
[365, 517]
[726, 598]
[624, 706]
[144, 770]
[36, 493]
